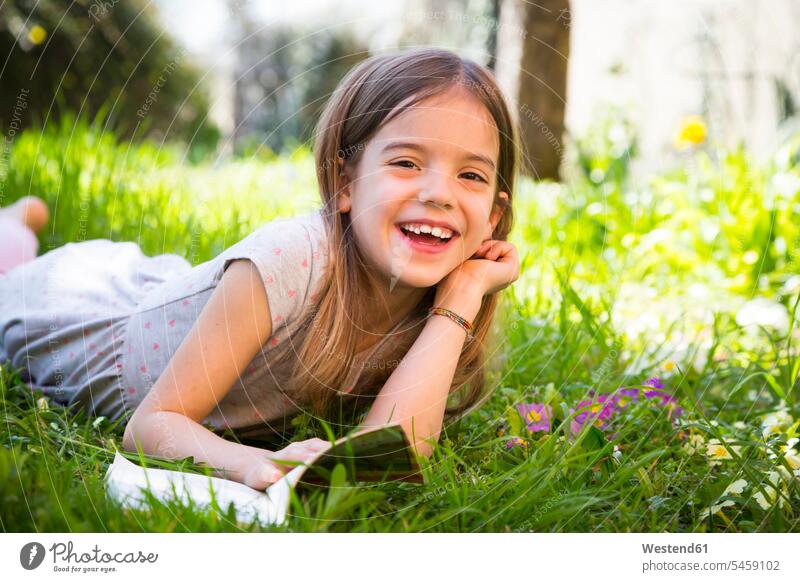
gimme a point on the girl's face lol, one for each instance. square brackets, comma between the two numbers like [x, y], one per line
[435, 162]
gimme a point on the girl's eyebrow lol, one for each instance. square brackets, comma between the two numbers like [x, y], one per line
[407, 145]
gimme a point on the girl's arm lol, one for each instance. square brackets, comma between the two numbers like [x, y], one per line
[228, 333]
[416, 393]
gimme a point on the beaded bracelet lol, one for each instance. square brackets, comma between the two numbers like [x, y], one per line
[455, 317]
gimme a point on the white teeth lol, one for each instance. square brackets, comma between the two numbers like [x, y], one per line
[442, 233]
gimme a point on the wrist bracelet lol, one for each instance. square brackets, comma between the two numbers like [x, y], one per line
[452, 315]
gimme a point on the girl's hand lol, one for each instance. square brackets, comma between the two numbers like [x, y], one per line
[494, 266]
[266, 471]
[301, 451]
[261, 474]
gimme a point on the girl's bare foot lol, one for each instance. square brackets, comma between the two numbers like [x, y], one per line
[30, 211]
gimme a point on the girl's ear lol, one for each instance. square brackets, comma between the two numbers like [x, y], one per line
[497, 214]
[344, 201]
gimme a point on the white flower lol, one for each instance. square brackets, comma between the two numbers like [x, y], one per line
[772, 488]
[775, 422]
[791, 286]
[762, 501]
[717, 451]
[739, 425]
[784, 473]
[734, 489]
[694, 444]
[790, 454]
[717, 507]
[765, 312]
[785, 184]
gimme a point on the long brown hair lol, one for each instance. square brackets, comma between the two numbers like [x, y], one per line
[372, 93]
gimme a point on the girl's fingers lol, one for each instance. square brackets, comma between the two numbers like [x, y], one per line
[481, 251]
[506, 250]
[499, 249]
[485, 248]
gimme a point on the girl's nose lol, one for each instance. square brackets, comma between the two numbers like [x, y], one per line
[437, 189]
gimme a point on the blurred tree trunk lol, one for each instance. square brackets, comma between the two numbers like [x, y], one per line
[532, 56]
[491, 42]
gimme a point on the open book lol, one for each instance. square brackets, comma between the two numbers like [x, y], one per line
[373, 454]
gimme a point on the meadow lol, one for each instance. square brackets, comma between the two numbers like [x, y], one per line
[645, 364]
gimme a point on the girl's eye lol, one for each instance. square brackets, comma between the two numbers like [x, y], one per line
[404, 164]
[473, 176]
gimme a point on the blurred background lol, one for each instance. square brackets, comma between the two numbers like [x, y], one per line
[240, 75]
[660, 139]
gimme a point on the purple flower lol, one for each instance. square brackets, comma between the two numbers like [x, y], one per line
[600, 409]
[664, 398]
[624, 396]
[537, 416]
[597, 410]
[516, 441]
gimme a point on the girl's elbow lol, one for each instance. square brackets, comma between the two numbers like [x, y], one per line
[424, 450]
[425, 447]
[133, 433]
[128, 440]
[136, 427]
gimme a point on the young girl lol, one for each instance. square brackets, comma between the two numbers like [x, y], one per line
[378, 302]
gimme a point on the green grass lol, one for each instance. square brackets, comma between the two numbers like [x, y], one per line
[621, 281]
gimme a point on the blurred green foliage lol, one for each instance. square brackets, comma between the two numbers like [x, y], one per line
[93, 55]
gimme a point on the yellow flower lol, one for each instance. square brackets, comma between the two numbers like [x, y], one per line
[717, 452]
[668, 366]
[37, 34]
[692, 132]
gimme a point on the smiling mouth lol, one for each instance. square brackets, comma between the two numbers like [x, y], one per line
[426, 240]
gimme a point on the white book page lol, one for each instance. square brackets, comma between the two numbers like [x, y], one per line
[125, 482]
